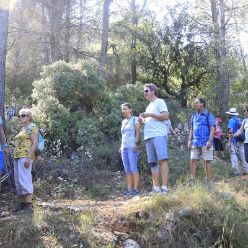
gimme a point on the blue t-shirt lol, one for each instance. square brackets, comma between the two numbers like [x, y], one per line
[201, 123]
[232, 124]
[1, 123]
[128, 132]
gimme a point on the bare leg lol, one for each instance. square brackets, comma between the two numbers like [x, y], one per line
[155, 179]
[208, 170]
[164, 171]
[193, 168]
[136, 179]
[129, 182]
[28, 198]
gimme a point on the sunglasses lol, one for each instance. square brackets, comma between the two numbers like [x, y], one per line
[21, 116]
[245, 110]
[146, 91]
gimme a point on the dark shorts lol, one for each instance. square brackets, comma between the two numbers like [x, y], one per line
[218, 146]
[246, 152]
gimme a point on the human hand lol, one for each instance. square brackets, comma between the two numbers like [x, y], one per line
[208, 145]
[6, 151]
[145, 115]
[189, 144]
[27, 163]
[135, 148]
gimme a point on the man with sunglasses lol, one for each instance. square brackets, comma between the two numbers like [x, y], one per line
[155, 135]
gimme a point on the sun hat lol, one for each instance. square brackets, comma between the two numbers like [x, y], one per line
[232, 111]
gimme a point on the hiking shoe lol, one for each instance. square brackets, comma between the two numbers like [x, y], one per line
[127, 192]
[134, 192]
[19, 207]
[27, 209]
[190, 182]
[235, 174]
[164, 191]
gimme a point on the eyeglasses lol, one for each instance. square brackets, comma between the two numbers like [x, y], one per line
[146, 91]
[21, 116]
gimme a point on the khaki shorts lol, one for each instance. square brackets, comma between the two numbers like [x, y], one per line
[202, 152]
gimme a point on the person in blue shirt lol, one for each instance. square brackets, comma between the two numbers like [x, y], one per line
[4, 150]
[236, 146]
[201, 138]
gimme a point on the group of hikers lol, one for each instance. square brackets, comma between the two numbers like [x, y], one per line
[204, 141]
[203, 132]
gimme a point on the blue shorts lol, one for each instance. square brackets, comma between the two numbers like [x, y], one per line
[156, 149]
[130, 160]
[1, 162]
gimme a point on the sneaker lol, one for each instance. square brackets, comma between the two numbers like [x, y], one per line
[19, 207]
[190, 182]
[235, 174]
[127, 192]
[27, 209]
[134, 192]
[164, 191]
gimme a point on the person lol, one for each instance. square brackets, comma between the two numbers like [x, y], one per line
[4, 149]
[24, 154]
[130, 132]
[11, 112]
[218, 145]
[244, 127]
[236, 146]
[169, 127]
[201, 139]
[155, 136]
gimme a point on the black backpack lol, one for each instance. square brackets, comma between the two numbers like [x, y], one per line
[241, 137]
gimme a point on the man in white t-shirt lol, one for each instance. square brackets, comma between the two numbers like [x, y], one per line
[155, 135]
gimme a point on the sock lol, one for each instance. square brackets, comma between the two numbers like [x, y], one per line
[156, 188]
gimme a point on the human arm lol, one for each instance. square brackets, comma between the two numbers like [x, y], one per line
[160, 117]
[190, 138]
[211, 137]
[240, 131]
[137, 137]
[3, 141]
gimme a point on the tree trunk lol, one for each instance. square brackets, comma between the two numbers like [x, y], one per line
[4, 20]
[55, 10]
[222, 88]
[104, 45]
[67, 31]
[134, 42]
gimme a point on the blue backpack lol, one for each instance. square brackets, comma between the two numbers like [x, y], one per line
[41, 140]
[241, 137]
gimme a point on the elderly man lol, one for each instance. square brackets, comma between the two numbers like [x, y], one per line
[201, 139]
[155, 135]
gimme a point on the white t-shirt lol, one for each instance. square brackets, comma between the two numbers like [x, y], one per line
[245, 123]
[154, 127]
[128, 132]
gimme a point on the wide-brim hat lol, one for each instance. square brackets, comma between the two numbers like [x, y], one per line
[232, 111]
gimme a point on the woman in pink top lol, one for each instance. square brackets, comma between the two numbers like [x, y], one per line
[218, 146]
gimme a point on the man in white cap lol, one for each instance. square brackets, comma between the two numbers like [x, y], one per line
[236, 144]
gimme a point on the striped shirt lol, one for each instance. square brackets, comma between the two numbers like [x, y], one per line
[201, 123]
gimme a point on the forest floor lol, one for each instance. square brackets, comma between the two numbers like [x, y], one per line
[69, 215]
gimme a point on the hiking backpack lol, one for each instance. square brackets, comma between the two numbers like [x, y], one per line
[41, 140]
[241, 137]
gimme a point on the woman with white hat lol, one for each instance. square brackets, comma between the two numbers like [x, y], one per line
[236, 144]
